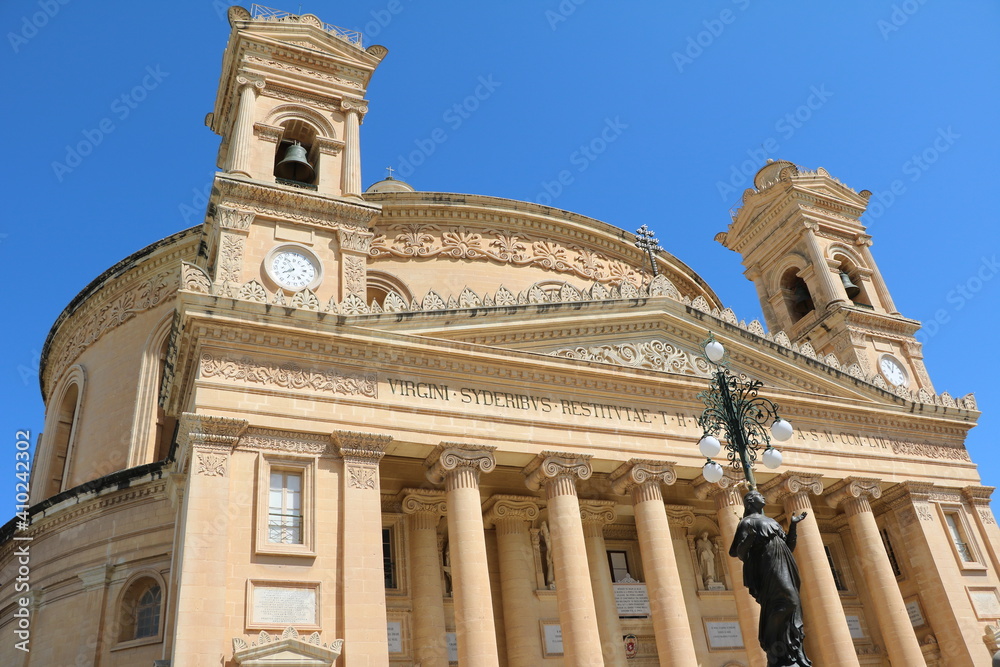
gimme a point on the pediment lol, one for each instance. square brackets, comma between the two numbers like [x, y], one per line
[288, 650]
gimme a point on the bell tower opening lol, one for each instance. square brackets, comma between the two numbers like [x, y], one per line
[798, 300]
[296, 154]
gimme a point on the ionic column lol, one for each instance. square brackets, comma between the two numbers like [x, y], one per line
[729, 509]
[864, 242]
[205, 455]
[822, 268]
[241, 139]
[426, 508]
[511, 516]
[851, 495]
[641, 479]
[458, 467]
[575, 594]
[595, 514]
[363, 574]
[822, 610]
[354, 111]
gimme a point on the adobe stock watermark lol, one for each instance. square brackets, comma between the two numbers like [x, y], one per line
[193, 213]
[121, 108]
[22, 543]
[786, 126]
[562, 12]
[914, 168]
[959, 297]
[900, 15]
[704, 39]
[454, 117]
[35, 21]
[581, 159]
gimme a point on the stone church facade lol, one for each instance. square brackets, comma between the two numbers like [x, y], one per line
[388, 427]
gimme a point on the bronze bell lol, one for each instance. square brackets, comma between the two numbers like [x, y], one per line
[294, 166]
[851, 289]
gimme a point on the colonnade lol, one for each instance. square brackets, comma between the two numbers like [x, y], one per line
[587, 612]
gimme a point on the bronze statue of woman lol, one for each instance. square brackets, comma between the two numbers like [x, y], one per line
[770, 572]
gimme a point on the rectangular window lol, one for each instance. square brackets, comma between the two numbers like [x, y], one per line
[837, 579]
[618, 562]
[284, 512]
[961, 536]
[887, 543]
[388, 559]
[285, 491]
[958, 538]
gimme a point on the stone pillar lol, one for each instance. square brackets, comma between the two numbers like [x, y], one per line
[511, 516]
[851, 495]
[241, 139]
[354, 111]
[823, 613]
[830, 290]
[864, 242]
[362, 571]
[595, 514]
[328, 167]
[978, 498]
[354, 246]
[426, 509]
[206, 448]
[729, 509]
[641, 479]
[575, 594]
[458, 467]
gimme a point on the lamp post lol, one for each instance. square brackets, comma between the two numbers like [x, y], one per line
[733, 409]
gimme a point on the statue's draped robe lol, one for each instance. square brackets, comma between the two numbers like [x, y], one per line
[770, 572]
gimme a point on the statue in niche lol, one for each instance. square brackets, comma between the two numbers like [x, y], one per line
[550, 573]
[446, 569]
[706, 558]
[771, 575]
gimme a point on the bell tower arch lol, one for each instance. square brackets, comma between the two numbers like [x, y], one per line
[804, 247]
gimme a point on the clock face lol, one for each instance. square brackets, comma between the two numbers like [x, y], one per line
[893, 371]
[292, 269]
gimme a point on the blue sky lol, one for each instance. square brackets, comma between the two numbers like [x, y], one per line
[510, 99]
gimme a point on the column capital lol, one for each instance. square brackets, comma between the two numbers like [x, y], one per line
[211, 431]
[358, 106]
[503, 507]
[853, 493]
[791, 483]
[552, 465]
[359, 447]
[597, 512]
[329, 146]
[423, 501]
[354, 239]
[450, 456]
[726, 491]
[636, 472]
[245, 79]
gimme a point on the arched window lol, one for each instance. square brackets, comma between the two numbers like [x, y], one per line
[380, 284]
[152, 428]
[853, 281]
[140, 609]
[796, 295]
[62, 429]
[296, 159]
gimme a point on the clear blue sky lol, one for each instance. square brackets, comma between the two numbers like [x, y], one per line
[693, 95]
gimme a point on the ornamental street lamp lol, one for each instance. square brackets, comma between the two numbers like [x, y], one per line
[733, 409]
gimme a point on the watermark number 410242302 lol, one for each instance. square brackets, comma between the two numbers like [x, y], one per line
[22, 548]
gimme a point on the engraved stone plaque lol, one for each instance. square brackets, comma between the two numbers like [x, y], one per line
[552, 638]
[394, 631]
[284, 605]
[632, 600]
[986, 603]
[854, 625]
[916, 616]
[723, 635]
[451, 641]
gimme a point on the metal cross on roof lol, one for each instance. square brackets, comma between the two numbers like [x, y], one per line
[647, 243]
[390, 170]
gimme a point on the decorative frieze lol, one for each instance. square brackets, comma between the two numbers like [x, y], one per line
[231, 257]
[653, 354]
[292, 442]
[288, 376]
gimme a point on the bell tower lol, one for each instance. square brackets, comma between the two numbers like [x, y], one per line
[286, 217]
[807, 253]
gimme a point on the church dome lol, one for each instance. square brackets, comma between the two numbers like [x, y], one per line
[390, 184]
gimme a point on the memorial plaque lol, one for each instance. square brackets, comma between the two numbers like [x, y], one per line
[916, 616]
[284, 605]
[394, 631]
[552, 638]
[986, 603]
[632, 600]
[854, 625]
[723, 635]
[451, 641]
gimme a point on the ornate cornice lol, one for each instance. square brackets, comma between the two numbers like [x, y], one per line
[282, 203]
[292, 442]
[267, 132]
[652, 354]
[329, 146]
[501, 507]
[637, 472]
[288, 376]
[551, 465]
[978, 495]
[363, 448]
[451, 456]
